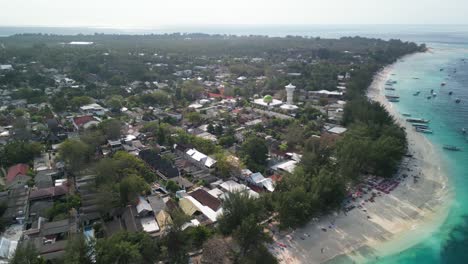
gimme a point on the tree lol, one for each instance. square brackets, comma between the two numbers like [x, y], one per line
[75, 153]
[250, 235]
[78, 251]
[131, 187]
[194, 117]
[254, 152]
[78, 101]
[111, 128]
[115, 102]
[237, 206]
[26, 253]
[176, 241]
[19, 152]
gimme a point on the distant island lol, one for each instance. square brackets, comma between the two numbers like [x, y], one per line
[208, 148]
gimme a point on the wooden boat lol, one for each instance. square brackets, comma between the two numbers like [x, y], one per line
[424, 130]
[452, 148]
[417, 120]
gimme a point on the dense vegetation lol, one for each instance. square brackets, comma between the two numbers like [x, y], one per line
[107, 70]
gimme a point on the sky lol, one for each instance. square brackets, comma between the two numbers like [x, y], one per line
[160, 13]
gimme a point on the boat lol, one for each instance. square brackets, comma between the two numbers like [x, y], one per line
[434, 94]
[450, 93]
[417, 120]
[390, 88]
[458, 100]
[424, 130]
[443, 84]
[394, 100]
[463, 131]
[452, 148]
[429, 97]
[441, 69]
[408, 115]
[416, 93]
[415, 78]
[420, 126]
[392, 96]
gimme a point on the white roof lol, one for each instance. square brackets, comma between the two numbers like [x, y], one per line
[143, 205]
[207, 211]
[6, 67]
[327, 92]
[149, 224]
[288, 166]
[93, 106]
[195, 106]
[290, 86]
[232, 186]
[254, 122]
[215, 192]
[200, 157]
[274, 102]
[337, 130]
[208, 136]
[289, 107]
[80, 43]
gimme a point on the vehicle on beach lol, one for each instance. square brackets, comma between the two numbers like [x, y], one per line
[417, 120]
[452, 148]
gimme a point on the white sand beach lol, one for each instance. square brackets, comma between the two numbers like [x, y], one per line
[392, 223]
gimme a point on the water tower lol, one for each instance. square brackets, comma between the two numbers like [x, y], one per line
[290, 94]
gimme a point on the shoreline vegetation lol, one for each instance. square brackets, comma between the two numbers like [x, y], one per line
[391, 224]
[347, 190]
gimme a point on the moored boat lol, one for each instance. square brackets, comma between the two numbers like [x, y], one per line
[420, 126]
[388, 96]
[417, 120]
[451, 148]
[424, 130]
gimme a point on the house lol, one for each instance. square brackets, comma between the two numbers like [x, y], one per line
[93, 109]
[48, 193]
[85, 121]
[285, 166]
[337, 130]
[200, 159]
[6, 67]
[15, 171]
[199, 203]
[51, 238]
[163, 167]
[258, 180]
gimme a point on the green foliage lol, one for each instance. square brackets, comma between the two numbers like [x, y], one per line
[254, 153]
[19, 152]
[131, 187]
[111, 128]
[236, 207]
[78, 251]
[199, 234]
[75, 153]
[63, 206]
[78, 101]
[26, 253]
[159, 98]
[127, 248]
[194, 117]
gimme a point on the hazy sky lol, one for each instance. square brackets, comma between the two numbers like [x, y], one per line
[156, 13]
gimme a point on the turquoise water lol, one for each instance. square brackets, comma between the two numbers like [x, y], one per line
[448, 244]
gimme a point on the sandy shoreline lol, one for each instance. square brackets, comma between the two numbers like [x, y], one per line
[397, 221]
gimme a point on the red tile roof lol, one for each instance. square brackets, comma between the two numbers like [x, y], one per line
[206, 199]
[18, 169]
[81, 120]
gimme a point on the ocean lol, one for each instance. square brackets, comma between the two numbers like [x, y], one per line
[425, 72]
[446, 62]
